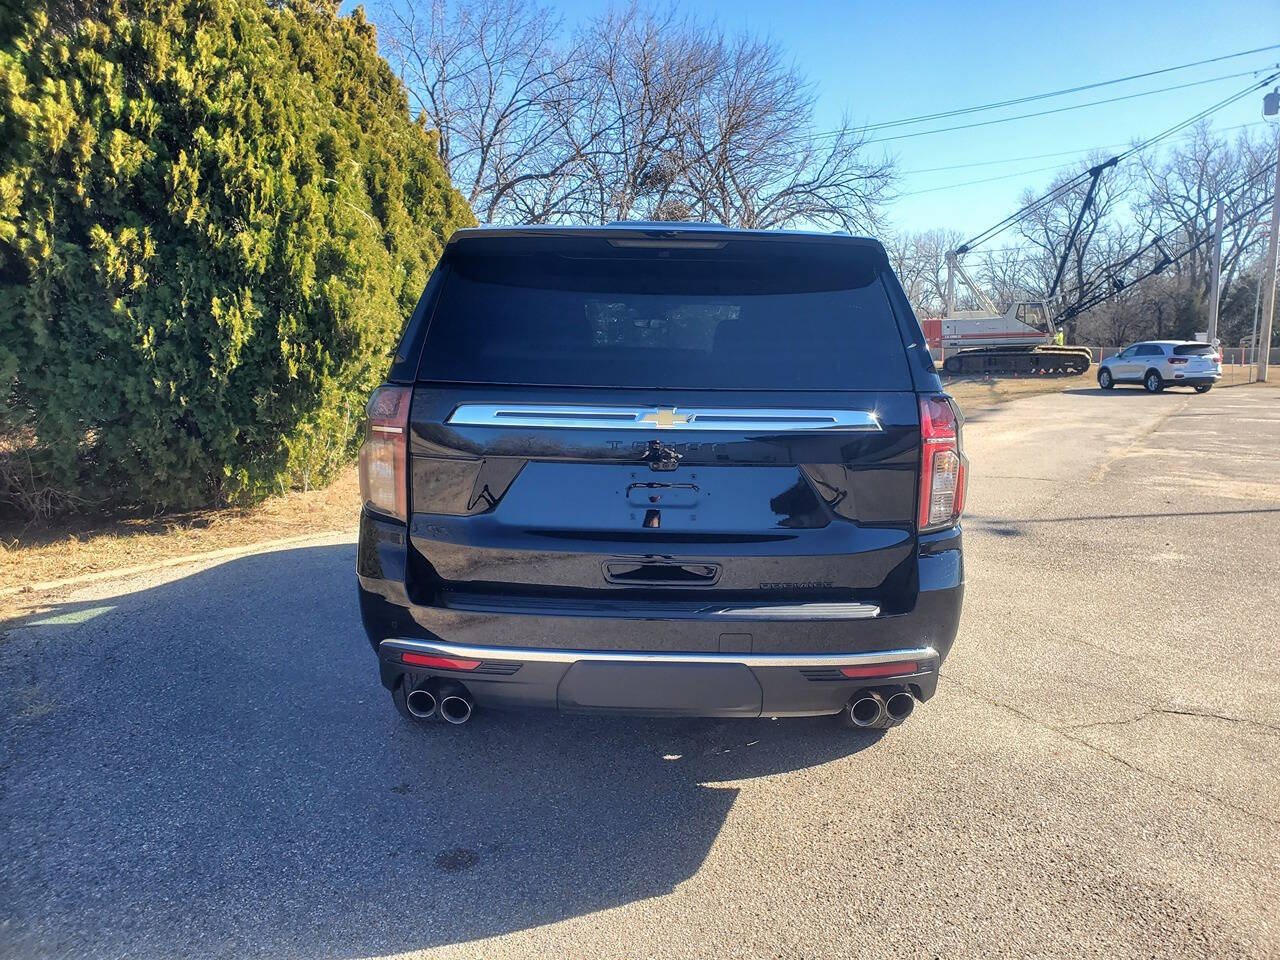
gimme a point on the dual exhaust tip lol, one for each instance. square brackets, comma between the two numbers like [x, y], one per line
[448, 699]
[871, 709]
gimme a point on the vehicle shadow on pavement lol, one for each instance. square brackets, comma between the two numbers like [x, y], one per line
[210, 767]
[1129, 389]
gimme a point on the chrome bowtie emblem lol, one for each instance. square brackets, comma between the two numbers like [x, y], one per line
[665, 417]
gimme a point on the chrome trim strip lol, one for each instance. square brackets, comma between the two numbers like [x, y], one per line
[927, 656]
[589, 417]
[801, 611]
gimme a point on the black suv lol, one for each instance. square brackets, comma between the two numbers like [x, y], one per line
[662, 469]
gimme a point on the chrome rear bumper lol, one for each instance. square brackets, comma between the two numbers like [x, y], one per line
[683, 684]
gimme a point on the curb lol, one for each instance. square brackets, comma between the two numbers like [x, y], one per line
[121, 572]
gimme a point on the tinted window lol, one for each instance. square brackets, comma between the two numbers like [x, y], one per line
[1194, 350]
[1150, 350]
[745, 314]
[1034, 315]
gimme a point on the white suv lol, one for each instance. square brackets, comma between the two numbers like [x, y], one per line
[1157, 364]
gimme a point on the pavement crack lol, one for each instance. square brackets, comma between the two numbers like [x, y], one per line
[1100, 473]
[1066, 733]
[1174, 712]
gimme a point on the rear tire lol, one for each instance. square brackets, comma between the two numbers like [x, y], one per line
[1203, 387]
[1153, 381]
[953, 365]
[1105, 380]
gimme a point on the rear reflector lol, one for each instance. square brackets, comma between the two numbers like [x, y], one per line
[895, 669]
[440, 663]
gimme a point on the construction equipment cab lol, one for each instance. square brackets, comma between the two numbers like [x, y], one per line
[662, 469]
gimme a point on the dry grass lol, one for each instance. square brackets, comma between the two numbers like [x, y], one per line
[88, 544]
[1237, 374]
[975, 393]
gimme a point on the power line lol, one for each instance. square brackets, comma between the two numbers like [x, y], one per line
[1046, 113]
[1066, 90]
[811, 138]
[1197, 117]
[1060, 190]
[1025, 173]
[1032, 156]
[972, 183]
[1081, 151]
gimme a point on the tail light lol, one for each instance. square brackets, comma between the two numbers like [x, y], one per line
[943, 467]
[1177, 359]
[384, 478]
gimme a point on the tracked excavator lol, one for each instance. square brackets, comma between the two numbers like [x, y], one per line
[1025, 339]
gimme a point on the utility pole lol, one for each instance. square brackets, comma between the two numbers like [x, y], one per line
[1270, 107]
[1217, 276]
[1253, 337]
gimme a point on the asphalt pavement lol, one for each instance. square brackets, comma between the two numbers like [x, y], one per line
[201, 762]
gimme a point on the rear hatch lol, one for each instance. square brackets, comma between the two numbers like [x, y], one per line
[658, 428]
[1200, 359]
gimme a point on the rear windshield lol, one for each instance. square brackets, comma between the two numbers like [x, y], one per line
[762, 315]
[1194, 350]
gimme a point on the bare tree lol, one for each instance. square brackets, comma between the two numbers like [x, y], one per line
[1181, 193]
[1007, 274]
[1119, 320]
[642, 114]
[627, 116]
[753, 159]
[911, 271]
[482, 72]
[920, 260]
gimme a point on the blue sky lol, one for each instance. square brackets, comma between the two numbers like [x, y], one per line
[883, 61]
[886, 61]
